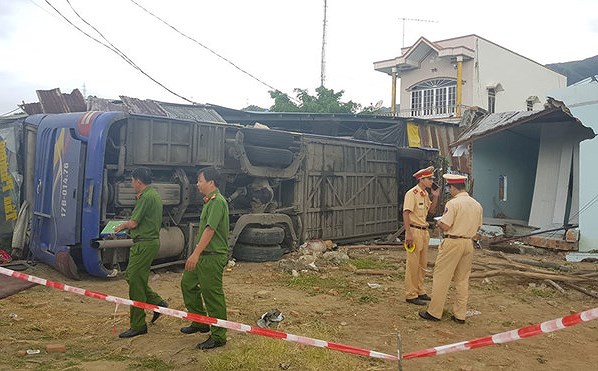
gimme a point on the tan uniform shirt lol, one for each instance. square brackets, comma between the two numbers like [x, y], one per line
[418, 202]
[463, 215]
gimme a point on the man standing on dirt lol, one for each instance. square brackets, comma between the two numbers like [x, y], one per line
[202, 280]
[460, 222]
[416, 207]
[144, 229]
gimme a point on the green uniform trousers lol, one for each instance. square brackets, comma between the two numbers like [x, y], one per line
[202, 286]
[141, 256]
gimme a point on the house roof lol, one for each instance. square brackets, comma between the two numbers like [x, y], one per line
[451, 48]
[554, 111]
[415, 54]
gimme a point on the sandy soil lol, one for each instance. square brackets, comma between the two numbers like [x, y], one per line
[335, 304]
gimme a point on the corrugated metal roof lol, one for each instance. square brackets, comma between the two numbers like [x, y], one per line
[103, 104]
[52, 101]
[31, 108]
[75, 101]
[191, 112]
[554, 111]
[495, 122]
[195, 112]
[146, 107]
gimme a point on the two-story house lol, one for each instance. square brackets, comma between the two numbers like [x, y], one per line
[442, 78]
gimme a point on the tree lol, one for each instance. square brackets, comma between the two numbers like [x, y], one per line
[325, 101]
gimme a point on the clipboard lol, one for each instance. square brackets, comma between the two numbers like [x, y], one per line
[109, 229]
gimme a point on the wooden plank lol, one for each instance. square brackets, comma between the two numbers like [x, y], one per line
[551, 243]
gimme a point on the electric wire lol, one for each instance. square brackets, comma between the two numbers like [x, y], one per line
[112, 48]
[9, 112]
[211, 50]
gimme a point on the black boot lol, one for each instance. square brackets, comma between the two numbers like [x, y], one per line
[132, 332]
[157, 315]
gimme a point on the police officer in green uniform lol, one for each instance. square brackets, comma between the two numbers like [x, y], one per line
[202, 280]
[144, 229]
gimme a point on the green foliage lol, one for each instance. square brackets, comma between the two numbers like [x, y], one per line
[325, 101]
[254, 108]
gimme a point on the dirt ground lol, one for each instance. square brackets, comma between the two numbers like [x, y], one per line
[335, 304]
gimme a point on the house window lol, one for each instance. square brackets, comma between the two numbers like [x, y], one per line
[433, 98]
[491, 100]
[530, 105]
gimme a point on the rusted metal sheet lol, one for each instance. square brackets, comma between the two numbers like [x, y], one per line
[52, 101]
[75, 101]
[31, 108]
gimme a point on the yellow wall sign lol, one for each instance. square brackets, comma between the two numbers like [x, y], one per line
[10, 211]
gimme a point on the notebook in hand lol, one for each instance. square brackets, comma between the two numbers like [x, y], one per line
[109, 229]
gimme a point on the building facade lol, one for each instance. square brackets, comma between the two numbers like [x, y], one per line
[440, 79]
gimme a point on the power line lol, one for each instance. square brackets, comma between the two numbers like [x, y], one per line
[9, 112]
[208, 49]
[112, 48]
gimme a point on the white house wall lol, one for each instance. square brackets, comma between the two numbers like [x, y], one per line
[582, 100]
[519, 77]
[444, 70]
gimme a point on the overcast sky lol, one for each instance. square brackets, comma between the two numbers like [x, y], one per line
[277, 41]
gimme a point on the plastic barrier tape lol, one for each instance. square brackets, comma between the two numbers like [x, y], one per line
[501, 338]
[201, 319]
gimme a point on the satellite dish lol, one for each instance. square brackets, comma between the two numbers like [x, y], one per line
[378, 104]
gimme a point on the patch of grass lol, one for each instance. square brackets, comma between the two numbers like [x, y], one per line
[271, 354]
[116, 357]
[151, 363]
[543, 292]
[366, 299]
[369, 263]
[314, 284]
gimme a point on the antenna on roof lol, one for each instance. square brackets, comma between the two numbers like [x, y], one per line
[412, 20]
[323, 61]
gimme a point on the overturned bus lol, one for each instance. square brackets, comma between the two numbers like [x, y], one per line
[283, 188]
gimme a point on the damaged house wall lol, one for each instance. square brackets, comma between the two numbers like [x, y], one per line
[582, 99]
[513, 156]
[556, 191]
[538, 151]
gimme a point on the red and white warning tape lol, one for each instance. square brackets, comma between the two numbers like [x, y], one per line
[201, 319]
[503, 337]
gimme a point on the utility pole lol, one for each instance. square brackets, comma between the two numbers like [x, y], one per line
[412, 20]
[323, 61]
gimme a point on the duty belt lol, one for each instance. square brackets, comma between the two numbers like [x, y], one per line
[418, 226]
[456, 237]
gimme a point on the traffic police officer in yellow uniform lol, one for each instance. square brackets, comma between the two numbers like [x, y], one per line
[460, 222]
[416, 206]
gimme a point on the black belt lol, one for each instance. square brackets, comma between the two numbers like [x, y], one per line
[418, 227]
[144, 239]
[204, 253]
[456, 237]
